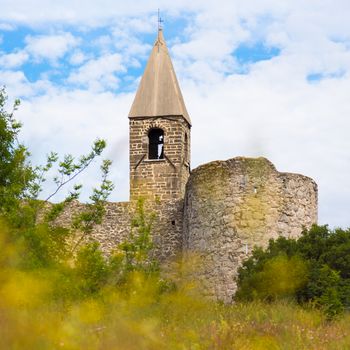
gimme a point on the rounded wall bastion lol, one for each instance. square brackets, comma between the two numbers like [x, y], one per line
[232, 206]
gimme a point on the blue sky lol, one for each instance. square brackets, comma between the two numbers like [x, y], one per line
[268, 78]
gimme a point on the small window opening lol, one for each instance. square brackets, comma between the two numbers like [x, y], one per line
[173, 222]
[156, 144]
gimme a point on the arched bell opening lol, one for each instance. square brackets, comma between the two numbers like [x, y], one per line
[156, 144]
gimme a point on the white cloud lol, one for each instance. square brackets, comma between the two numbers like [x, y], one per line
[73, 12]
[15, 82]
[50, 47]
[61, 121]
[202, 46]
[125, 41]
[103, 42]
[7, 27]
[99, 73]
[13, 60]
[300, 127]
[18, 86]
[78, 57]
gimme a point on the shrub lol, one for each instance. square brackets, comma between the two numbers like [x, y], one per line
[312, 269]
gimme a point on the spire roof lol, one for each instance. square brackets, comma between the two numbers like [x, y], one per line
[159, 93]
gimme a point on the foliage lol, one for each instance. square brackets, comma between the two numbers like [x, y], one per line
[16, 175]
[44, 244]
[144, 319]
[40, 244]
[136, 249]
[132, 257]
[91, 269]
[312, 269]
[80, 307]
[280, 275]
[79, 269]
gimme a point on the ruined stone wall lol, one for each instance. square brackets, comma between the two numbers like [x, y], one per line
[116, 225]
[233, 205]
[163, 179]
[229, 207]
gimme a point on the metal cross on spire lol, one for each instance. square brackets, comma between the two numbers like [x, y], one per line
[160, 21]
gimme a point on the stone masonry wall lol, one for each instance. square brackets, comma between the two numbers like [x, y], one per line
[116, 225]
[233, 205]
[163, 179]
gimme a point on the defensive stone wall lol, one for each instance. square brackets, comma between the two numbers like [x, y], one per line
[116, 225]
[229, 207]
[233, 205]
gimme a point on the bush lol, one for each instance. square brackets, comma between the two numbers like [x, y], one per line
[312, 269]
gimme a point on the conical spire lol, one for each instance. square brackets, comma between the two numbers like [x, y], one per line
[159, 93]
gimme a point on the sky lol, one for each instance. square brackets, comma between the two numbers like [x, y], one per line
[264, 78]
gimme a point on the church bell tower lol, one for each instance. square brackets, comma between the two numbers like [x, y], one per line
[159, 131]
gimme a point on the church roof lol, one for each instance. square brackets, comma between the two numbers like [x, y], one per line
[159, 93]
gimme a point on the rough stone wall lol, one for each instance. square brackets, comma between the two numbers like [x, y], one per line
[233, 205]
[163, 179]
[116, 225]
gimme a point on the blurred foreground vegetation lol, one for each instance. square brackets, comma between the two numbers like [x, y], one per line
[58, 291]
[141, 316]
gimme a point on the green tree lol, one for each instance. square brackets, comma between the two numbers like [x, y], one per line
[312, 269]
[77, 269]
[16, 174]
[41, 242]
[92, 269]
[134, 254]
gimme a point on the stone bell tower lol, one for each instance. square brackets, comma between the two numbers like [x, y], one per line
[159, 131]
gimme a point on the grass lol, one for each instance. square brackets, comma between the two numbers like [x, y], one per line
[143, 319]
